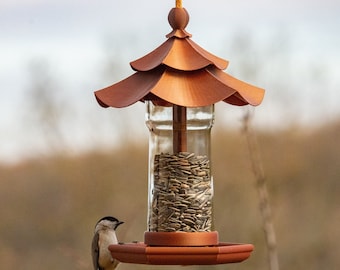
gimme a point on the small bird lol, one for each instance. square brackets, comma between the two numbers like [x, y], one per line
[104, 235]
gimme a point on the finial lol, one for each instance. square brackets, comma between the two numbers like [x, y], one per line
[178, 19]
[178, 3]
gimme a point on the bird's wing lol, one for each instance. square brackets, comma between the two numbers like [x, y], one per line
[95, 252]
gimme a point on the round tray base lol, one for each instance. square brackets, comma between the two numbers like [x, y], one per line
[139, 253]
[181, 239]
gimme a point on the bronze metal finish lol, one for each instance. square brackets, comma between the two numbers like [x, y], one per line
[179, 128]
[219, 254]
[179, 72]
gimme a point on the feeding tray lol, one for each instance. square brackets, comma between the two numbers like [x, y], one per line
[140, 253]
[175, 248]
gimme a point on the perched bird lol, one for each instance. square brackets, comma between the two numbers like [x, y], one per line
[104, 235]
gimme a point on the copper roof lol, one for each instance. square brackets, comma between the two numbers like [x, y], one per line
[179, 72]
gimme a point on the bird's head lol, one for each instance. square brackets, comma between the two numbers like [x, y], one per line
[108, 223]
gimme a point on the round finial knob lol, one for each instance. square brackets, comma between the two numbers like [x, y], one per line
[178, 18]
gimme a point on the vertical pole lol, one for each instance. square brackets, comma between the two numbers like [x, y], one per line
[179, 119]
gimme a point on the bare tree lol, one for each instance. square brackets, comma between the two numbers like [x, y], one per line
[261, 186]
[252, 67]
[44, 107]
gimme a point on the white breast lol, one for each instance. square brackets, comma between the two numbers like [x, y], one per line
[106, 238]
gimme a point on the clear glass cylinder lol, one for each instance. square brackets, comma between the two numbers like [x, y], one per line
[180, 180]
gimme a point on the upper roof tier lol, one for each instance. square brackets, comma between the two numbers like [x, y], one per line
[179, 72]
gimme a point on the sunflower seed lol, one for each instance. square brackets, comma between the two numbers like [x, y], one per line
[182, 193]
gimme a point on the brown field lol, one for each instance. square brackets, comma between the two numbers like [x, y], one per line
[49, 205]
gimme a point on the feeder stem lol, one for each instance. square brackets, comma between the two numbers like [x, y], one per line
[178, 3]
[179, 119]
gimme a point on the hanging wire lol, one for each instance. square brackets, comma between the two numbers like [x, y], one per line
[178, 3]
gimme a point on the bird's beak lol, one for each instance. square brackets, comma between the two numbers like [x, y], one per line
[119, 223]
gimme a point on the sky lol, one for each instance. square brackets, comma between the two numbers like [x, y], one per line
[294, 55]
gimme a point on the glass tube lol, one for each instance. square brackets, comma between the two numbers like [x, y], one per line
[180, 181]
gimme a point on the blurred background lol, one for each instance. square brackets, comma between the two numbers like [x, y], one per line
[65, 162]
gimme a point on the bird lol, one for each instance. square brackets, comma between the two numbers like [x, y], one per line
[104, 235]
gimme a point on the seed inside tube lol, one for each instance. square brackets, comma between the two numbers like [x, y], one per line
[182, 193]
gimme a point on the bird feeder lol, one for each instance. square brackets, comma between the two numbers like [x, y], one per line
[180, 82]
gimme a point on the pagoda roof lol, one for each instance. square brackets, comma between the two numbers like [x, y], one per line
[179, 72]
